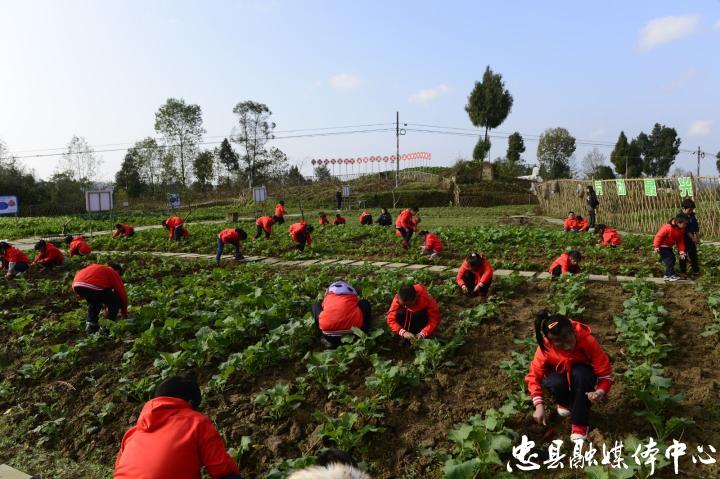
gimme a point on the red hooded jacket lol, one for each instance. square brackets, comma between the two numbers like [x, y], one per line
[363, 215]
[323, 220]
[570, 224]
[299, 228]
[172, 441]
[564, 262]
[78, 245]
[172, 223]
[587, 351]
[611, 237]
[670, 235]
[339, 221]
[124, 230]
[423, 301]
[405, 220]
[51, 254]
[229, 236]
[265, 222]
[14, 255]
[482, 275]
[340, 314]
[99, 277]
[280, 210]
[582, 225]
[433, 243]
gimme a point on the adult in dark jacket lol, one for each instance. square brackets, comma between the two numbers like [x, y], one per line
[384, 219]
[592, 203]
[692, 238]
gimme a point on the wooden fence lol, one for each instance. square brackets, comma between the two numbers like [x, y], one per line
[639, 205]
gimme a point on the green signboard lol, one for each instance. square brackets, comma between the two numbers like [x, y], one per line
[598, 187]
[620, 185]
[650, 187]
[686, 187]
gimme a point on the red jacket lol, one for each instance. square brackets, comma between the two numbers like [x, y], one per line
[582, 225]
[265, 222]
[52, 254]
[124, 230]
[670, 235]
[78, 245]
[299, 228]
[172, 441]
[339, 221]
[323, 220]
[570, 224]
[340, 314]
[587, 351]
[172, 223]
[229, 236]
[433, 243]
[99, 277]
[280, 210]
[482, 275]
[564, 262]
[363, 215]
[14, 255]
[423, 301]
[611, 237]
[405, 220]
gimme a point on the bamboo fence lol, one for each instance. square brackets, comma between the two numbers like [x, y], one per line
[642, 208]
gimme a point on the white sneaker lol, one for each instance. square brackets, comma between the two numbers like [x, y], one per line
[577, 438]
[671, 278]
[563, 411]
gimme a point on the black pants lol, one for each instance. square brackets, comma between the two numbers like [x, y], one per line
[591, 218]
[51, 264]
[336, 340]
[367, 220]
[557, 270]
[279, 219]
[260, 231]
[667, 256]
[418, 320]
[96, 299]
[573, 396]
[338, 200]
[301, 241]
[178, 232]
[469, 281]
[19, 267]
[692, 255]
[406, 233]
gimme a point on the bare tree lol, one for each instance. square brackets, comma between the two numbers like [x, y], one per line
[593, 160]
[79, 160]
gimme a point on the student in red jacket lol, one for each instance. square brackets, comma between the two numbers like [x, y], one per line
[280, 213]
[230, 236]
[581, 224]
[475, 275]
[172, 440]
[366, 218]
[123, 230]
[608, 236]
[570, 364]
[101, 286]
[48, 255]
[13, 260]
[413, 314]
[570, 222]
[566, 263]
[406, 224]
[340, 311]
[323, 219]
[339, 220]
[176, 228]
[264, 225]
[78, 246]
[300, 234]
[433, 244]
[671, 234]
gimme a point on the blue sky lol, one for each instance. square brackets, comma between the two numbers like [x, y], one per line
[101, 69]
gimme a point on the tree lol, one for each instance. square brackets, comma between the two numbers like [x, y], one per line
[79, 160]
[294, 177]
[322, 173]
[253, 132]
[554, 153]
[128, 177]
[148, 159]
[717, 163]
[277, 165]
[626, 157]
[591, 162]
[181, 126]
[504, 168]
[228, 159]
[603, 172]
[488, 105]
[679, 172]
[660, 150]
[203, 169]
[516, 146]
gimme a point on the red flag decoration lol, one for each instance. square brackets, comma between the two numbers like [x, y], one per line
[313, 162]
[327, 162]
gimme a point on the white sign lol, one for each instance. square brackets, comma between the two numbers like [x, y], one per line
[259, 194]
[96, 201]
[346, 191]
[8, 205]
[174, 200]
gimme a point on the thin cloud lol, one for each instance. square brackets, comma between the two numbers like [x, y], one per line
[659, 31]
[717, 25]
[700, 128]
[425, 96]
[344, 81]
[680, 82]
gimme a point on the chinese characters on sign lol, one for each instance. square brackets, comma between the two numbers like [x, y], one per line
[650, 187]
[620, 185]
[598, 187]
[686, 187]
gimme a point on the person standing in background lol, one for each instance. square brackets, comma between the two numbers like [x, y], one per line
[592, 204]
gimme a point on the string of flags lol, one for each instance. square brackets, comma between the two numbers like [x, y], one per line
[418, 155]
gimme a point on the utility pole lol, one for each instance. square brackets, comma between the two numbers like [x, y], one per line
[398, 133]
[700, 154]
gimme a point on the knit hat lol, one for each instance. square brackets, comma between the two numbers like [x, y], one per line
[333, 471]
[341, 287]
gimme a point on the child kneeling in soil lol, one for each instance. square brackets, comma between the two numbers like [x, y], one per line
[566, 263]
[608, 236]
[413, 314]
[475, 275]
[433, 244]
[340, 311]
[571, 364]
[171, 440]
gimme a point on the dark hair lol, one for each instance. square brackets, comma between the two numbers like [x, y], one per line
[687, 203]
[578, 217]
[571, 213]
[282, 202]
[681, 218]
[423, 233]
[474, 260]
[590, 188]
[164, 223]
[68, 239]
[407, 293]
[181, 387]
[414, 208]
[383, 209]
[40, 245]
[4, 245]
[335, 456]
[546, 323]
[116, 267]
[337, 215]
[118, 226]
[309, 228]
[241, 233]
[575, 255]
[322, 215]
[600, 228]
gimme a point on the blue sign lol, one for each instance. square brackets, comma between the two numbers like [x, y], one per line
[8, 205]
